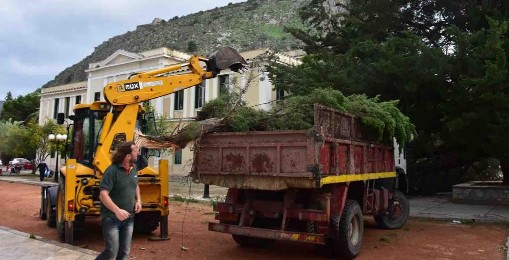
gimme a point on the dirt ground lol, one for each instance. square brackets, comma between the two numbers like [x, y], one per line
[419, 239]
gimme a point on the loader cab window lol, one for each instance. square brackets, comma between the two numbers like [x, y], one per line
[87, 126]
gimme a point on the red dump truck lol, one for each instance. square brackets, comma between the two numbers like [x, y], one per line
[311, 186]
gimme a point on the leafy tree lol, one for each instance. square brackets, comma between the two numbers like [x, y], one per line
[21, 108]
[39, 144]
[446, 61]
[9, 96]
[29, 141]
[8, 145]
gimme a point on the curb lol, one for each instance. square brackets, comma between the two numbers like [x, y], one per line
[53, 242]
[36, 183]
[464, 221]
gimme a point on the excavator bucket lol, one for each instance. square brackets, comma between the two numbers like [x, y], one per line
[224, 58]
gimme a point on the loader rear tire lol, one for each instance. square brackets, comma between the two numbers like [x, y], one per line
[51, 217]
[42, 215]
[146, 222]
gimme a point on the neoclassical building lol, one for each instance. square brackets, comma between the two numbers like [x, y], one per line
[181, 106]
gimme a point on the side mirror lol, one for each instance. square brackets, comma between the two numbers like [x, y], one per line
[72, 117]
[60, 118]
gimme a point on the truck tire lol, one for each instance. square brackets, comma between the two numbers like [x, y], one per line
[51, 216]
[397, 213]
[347, 232]
[146, 222]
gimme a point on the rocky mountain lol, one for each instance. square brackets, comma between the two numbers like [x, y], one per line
[244, 26]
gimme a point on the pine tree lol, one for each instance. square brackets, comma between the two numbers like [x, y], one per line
[445, 61]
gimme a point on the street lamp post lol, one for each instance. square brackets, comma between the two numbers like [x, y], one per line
[57, 139]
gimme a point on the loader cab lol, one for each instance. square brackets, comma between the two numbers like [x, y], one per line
[87, 124]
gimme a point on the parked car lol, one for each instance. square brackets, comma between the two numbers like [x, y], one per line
[25, 163]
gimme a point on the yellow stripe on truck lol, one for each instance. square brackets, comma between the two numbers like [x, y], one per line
[356, 177]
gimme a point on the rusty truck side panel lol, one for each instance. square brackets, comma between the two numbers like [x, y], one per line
[334, 150]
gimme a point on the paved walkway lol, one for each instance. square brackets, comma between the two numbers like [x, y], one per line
[13, 244]
[442, 208]
[19, 245]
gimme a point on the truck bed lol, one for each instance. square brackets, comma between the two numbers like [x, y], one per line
[332, 151]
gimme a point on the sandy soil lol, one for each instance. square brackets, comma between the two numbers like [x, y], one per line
[419, 239]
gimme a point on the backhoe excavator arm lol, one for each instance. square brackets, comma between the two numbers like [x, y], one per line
[126, 95]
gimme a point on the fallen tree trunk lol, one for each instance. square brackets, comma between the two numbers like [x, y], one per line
[181, 138]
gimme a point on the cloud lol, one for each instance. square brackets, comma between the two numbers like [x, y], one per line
[19, 67]
[40, 38]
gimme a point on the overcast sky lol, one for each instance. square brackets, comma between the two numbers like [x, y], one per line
[39, 39]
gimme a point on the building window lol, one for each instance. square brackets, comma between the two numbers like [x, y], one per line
[280, 94]
[224, 84]
[179, 100]
[78, 100]
[97, 96]
[199, 95]
[55, 108]
[178, 156]
[67, 105]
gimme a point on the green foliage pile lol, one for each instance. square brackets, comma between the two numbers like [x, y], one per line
[381, 120]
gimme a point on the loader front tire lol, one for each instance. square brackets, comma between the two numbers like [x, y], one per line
[51, 217]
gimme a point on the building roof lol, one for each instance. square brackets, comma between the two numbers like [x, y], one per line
[63, 88]
[122, 57]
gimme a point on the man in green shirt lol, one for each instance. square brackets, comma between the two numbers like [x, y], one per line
[120, 200]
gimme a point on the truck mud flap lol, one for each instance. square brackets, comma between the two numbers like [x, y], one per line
[268, 233]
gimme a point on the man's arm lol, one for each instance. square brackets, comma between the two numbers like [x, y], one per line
[105, 198]
[137, 205]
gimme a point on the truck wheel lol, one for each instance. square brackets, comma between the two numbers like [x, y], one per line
[51, 218]
[347, 232]
[146, 222]
[397, 213]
